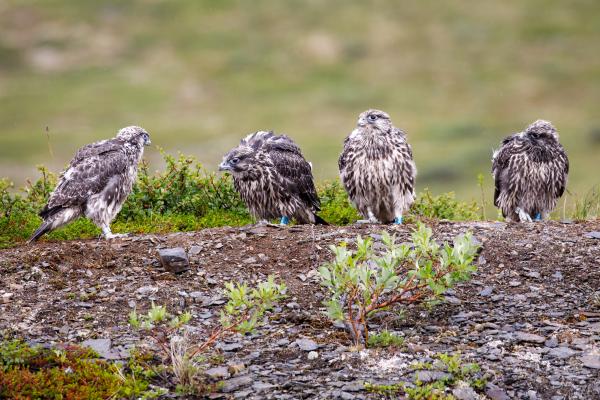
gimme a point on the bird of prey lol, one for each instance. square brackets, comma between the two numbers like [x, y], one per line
[530, 172]
[96, 183]
[273, 178]
[377, 168]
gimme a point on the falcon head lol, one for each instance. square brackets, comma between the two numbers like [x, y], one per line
[134, 135]
[541, 130]
[238, 160]
[375, 119]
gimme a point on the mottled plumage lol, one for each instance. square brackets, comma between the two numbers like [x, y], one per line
[377, 168]
[273, 178]
[530, 172]
[96, 183]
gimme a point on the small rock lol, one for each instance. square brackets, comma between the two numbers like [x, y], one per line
[465, 393]
[558, 276]
[307, 344]
[591, 361]
[218, 373]
[6, 297]
[260, 386]
[593, 235]
[486, 291]
[233, 384]
[147, 290]
[174, 260]
[427, 376]
[230, 346]
[529, 337]
[561, 353]
[495, 393]
[102, 347]
[195, 250]
[313, 355]
[514, 283]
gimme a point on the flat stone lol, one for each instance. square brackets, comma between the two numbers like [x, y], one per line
[465, 393]
[495, 393]
[260, 386]
[233, 384]
[593, 235]
[218, 372]
[195, 250]
[486, 291]
[427, 376]
[307, 344]
[6, 297]
[562, 352]
[230, 346]
[146, 290]
[174, 260]
[591, 361]
[529, 337]
[102, 347]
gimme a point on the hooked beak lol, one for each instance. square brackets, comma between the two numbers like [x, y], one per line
[147, 141]
[224, 166]
[362, 122]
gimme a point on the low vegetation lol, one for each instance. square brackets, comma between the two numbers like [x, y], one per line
[364, 281]
[454, 374]
[186, 197]
[185, 359]
[69, 372]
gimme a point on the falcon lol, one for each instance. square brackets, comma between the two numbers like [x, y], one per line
[377, 169]
[96, 183]
[273, 178]
[530, 172]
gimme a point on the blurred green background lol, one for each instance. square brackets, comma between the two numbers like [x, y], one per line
[458, 76]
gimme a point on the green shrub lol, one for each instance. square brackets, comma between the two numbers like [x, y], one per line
[336, 207]
[444, 206]
[385, 339]
[363, 282]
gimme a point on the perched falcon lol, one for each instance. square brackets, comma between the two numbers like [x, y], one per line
[96, 183]
[530, 172]
[273, 178]
[377, 168]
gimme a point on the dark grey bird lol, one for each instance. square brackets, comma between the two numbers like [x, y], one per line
[530, 172]
[96, 183]
[377, 168]
[273, 178]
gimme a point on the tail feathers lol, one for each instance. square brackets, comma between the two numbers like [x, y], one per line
[44, 228]
[320, 221]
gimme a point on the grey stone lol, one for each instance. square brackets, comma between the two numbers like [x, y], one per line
[495, 393]
[260, 386]
[529, 337]
[561, 353]
[591, 360]
[218, 373]
[102, 347]
[465, 393]
[174, 260]
[486, 291]
[195, 250]
[427, 376]
[239, 382]
[307, 344]
[230, 346]
[147, 290]
[312, 355]
[593, 235]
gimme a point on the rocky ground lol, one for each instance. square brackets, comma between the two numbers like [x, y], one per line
[530, 317]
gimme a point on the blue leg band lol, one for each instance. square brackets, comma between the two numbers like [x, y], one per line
[284, 221]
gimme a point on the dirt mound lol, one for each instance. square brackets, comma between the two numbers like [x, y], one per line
[528, 317]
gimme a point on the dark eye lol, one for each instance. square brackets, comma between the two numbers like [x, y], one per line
[235, 160]
[535, 135]
[372, 117]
